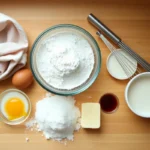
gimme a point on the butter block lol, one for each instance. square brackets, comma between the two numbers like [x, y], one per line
[90, 115]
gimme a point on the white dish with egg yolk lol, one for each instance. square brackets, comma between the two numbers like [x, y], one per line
[14, 106]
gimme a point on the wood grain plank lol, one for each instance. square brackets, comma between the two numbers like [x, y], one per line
[122, 130]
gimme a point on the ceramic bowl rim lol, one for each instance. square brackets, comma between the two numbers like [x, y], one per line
[97, 50]
[126, 94]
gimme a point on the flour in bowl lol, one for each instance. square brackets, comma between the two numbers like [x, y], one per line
[65, 60]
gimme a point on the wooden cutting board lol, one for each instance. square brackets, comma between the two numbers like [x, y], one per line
[131, 21]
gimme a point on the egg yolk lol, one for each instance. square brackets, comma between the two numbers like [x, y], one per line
[15, 108]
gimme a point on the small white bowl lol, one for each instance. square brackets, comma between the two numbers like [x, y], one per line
[115, 69]
[20, 120]
[137, 95]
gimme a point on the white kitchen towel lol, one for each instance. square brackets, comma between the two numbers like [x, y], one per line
[13, 46]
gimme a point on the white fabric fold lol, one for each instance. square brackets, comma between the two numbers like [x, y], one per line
[13, 46]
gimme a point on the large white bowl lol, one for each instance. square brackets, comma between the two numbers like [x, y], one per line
[136, 104]
[57, 29]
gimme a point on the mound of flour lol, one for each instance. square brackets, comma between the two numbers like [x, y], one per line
[65, 60]
[57, 117]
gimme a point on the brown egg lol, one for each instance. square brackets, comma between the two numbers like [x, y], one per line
[22, 78]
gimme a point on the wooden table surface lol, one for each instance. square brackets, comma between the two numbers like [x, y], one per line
[131, 21]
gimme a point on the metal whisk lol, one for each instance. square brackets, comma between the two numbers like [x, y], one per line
[129, 66]
[100, 26]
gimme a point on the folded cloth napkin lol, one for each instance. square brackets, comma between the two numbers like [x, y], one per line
[13, 47]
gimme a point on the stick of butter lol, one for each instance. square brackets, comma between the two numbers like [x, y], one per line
[90, 117]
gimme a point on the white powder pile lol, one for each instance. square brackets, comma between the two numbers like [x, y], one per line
[65, 60]
[57, 117]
